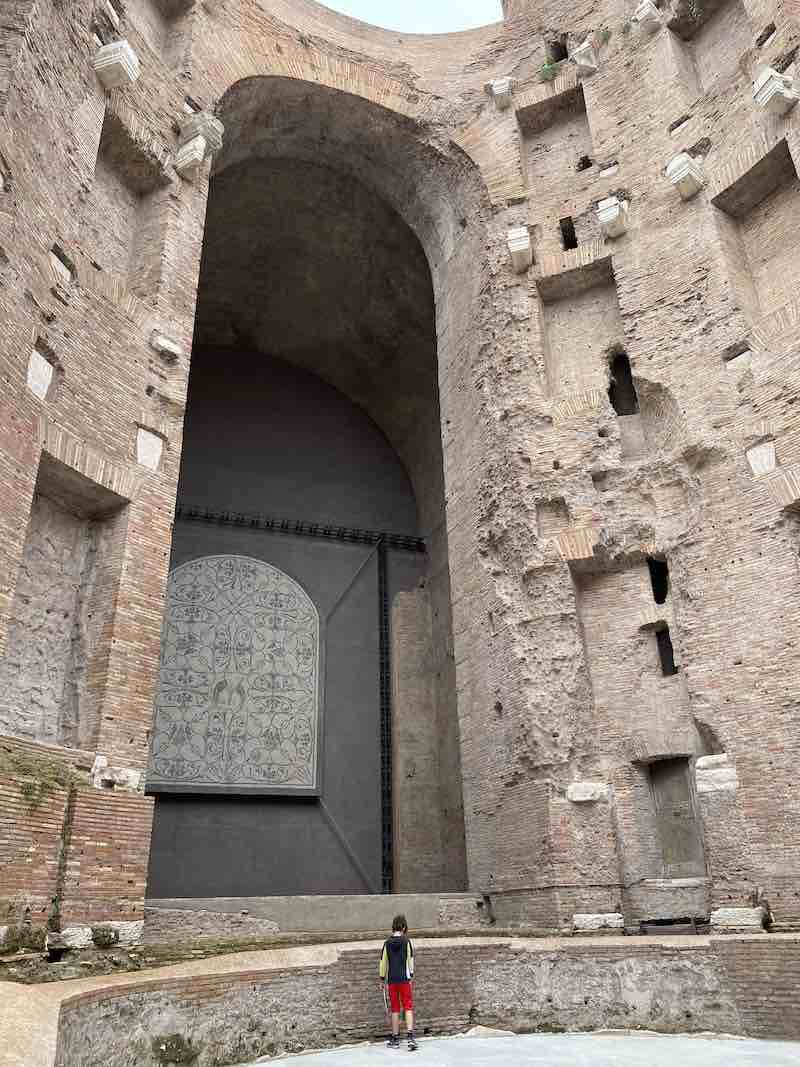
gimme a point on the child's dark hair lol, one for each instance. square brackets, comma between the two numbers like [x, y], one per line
[399, 924]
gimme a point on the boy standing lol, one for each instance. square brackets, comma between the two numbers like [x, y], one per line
[397, 970]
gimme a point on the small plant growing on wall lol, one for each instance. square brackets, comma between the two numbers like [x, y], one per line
[548, 71]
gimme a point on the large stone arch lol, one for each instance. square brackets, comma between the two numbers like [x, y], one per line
[413, 166]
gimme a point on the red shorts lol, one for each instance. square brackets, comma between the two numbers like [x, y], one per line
[400, 993]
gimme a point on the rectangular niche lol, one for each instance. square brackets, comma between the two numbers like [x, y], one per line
[759, 233]
[676, 824]
[582, 322]
[51, 675]
[559, 157]
[631, 692]
[166, 26]
[124, 219]
[716, 34]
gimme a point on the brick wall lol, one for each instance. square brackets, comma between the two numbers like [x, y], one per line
[676, 987]
[545, 697]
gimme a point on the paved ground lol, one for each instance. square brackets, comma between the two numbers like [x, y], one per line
[567, 1050]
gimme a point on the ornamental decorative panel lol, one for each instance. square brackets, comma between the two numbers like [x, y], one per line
[237, 708]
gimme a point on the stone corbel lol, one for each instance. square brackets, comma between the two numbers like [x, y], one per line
[685, 172]
[584, 58]
[201, 137]
[612, 215]
[775, 92]
[116, 65]
[520, 249]
[647, 16]
[500, 89]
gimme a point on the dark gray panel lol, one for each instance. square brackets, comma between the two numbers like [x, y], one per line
[286, 443]
[262, 436]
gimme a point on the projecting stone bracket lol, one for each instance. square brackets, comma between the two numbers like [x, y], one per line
[686, 173]
[647, 16]
[107, 777]
[777, 93]
[501, 91]
[168, 349]
[520, 249]
[584, 58]
[612, 216]
[200, 138]
[116, 65]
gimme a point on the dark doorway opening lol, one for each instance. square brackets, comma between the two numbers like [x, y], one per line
[659, 578]
[666, 653]
[569, 238]
[621, 390]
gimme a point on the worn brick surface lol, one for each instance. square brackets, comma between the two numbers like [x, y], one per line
[554, 676]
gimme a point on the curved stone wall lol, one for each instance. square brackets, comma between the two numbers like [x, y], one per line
[312, 998]
[635, 199]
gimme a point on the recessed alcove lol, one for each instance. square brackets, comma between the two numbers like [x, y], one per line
[582, 321]
[757, 222]
[555, 142]
[52, 673]
[165, 25]
[122, 222]
[552, 517]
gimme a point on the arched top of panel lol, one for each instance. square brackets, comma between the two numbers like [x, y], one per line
[237, 708]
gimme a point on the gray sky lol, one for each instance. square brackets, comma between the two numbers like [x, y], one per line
[421, 16]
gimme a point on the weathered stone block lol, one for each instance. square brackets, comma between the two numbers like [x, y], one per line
[190, 156]
[501, 91]
[761, 458]
[40, 374]
[77, 936]
[149, 447]
[715, 774]
[612, 215]
[686, 174]
[587, 792]
[520, 249]
[751, 919]
[203, 124]
[603, 921]
[165, 346]
[116, 65]
[584, 58]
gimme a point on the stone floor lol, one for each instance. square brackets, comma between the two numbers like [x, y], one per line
[563, 1050]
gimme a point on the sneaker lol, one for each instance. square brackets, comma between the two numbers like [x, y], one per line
[412, 1045]
[393, 1042]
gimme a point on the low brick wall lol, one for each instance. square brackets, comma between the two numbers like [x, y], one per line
[674, 986]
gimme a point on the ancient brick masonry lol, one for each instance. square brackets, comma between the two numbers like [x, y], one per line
[621, 203]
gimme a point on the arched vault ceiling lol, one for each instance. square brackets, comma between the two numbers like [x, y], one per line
[304, 263]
